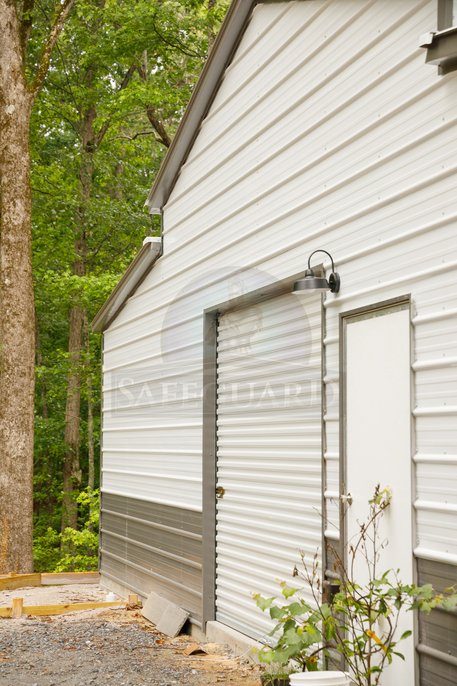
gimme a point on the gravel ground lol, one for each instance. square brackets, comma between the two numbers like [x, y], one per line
[55, 595]
[109, 648]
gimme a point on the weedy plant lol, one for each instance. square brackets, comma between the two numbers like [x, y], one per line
[360, 621]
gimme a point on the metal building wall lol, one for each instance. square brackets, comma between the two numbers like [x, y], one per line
[329, 131]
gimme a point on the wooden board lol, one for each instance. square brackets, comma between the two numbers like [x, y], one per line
[9, 582]
[58, 578]
[12, 581]
[45, 610]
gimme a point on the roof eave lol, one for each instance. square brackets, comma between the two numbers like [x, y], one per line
[129, 282]
[204, 93]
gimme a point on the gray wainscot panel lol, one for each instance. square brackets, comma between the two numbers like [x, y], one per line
[151, 547]
[438, 631]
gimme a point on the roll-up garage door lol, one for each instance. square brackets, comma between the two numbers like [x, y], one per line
[268, 452]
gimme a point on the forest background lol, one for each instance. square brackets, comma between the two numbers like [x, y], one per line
[119, 80]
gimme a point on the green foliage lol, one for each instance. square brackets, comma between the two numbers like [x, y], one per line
[361, 621]
[146, 57]
[299, 627]
[72, 550]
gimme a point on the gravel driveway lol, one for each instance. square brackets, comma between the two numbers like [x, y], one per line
[108, 648]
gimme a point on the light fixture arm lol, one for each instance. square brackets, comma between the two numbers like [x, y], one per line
[326, 253]
[311, 282]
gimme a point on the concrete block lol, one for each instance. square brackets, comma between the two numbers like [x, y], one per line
[168, 617]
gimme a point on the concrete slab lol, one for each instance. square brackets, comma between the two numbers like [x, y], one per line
[168, 617]
[240, 644]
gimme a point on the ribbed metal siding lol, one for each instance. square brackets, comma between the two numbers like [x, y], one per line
[151, 547]
[328, 131]
[268, 452]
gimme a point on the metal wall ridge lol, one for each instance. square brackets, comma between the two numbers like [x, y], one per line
[193, 370]
[140, 360]
[406, 277]
[435, 410]
[153, 332]
[171, 477]
[158, 403]
[434, 506]
[300, 172]
[147, 427]
[434, 316]
[423, 458]
[437, 363]
[423, 553]
[153, 451]
[437, 654]
[149, 572]
[242, 54]
[328, 78]
[158, 551]
[156, 501]
[155, 525]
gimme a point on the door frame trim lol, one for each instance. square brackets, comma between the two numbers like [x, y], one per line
[381, 307]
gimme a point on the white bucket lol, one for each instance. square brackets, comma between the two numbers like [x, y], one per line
[320, 679]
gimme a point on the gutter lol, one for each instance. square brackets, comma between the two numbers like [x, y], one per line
[129, 282]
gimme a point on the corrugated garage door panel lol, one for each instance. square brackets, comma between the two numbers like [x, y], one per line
[268, 451]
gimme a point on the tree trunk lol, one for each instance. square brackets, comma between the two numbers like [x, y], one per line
[17, 317]
[72, 469]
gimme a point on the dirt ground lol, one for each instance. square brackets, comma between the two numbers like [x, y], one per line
[114, 647]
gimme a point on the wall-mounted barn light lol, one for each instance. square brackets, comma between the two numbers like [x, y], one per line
[311, 282]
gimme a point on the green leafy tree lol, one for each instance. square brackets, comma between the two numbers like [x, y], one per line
[101, 126]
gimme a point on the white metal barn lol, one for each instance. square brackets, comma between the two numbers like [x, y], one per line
[236, 412]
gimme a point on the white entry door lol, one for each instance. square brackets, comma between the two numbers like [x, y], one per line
[378, 445]
[268, 452]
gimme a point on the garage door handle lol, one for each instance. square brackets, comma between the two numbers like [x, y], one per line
[220, 490]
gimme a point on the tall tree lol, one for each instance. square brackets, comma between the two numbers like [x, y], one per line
[20, 82]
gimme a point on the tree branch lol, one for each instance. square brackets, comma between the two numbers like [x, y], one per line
[26, 23]
[158, 126]
[65, 9]
[124, 83]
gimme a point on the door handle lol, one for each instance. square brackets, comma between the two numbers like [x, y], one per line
[346, 499]
[220, 490]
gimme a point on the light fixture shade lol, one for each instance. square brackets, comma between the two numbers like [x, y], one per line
[310, 283]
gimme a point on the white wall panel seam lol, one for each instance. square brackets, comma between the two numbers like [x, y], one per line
[432, 411]
[153, 332]
[421, 458]
[141, 382]
[153, 475]
[154, 451]
[434, 316]
[405, 278]
[438, 363]
[153, 498]
[435, 506]
[140, 360]
[147, 427]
